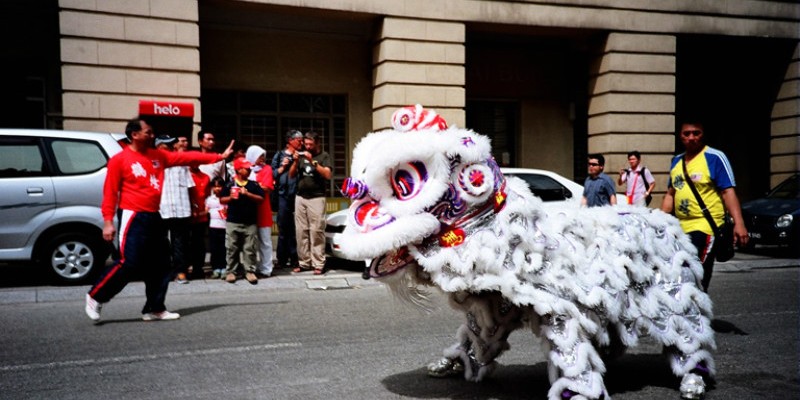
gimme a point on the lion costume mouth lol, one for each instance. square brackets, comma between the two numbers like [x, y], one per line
[389, 263]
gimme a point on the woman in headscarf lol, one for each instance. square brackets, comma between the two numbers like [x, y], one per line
[262, 173]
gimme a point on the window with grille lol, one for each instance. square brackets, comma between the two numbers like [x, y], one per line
[262, 118]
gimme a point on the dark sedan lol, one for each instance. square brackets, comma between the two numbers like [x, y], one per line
[775, 219]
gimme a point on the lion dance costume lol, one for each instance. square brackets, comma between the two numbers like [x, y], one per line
[431, 207]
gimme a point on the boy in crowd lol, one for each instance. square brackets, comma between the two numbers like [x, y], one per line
[243, 197]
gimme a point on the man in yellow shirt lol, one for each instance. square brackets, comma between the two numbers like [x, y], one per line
[711, 173]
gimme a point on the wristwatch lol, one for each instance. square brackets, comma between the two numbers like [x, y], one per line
[315, 163]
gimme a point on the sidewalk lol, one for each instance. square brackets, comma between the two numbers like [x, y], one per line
[286, 280]
[282, 280]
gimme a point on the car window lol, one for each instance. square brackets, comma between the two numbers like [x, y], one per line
[545, 187]
[77, 157]
[21, 157]
[788, 189]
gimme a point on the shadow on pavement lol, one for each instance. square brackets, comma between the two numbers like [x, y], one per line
[629, 373]
[721, 326]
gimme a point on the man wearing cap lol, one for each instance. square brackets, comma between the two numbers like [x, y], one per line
[133, 184]
[176, 208]
[243, 197]
[285, 190]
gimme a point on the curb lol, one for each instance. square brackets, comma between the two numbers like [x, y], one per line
[332, 280]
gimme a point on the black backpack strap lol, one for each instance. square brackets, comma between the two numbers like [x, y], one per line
[700, 202]
[644, 179]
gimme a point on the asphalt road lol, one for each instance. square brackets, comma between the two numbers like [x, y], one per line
[295, 342]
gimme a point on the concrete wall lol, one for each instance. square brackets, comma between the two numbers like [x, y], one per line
[418, 61]
[785, 141]
[741, 17]
[632, 102]
[115, 53]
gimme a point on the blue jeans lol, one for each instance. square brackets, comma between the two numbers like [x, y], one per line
[287, 238]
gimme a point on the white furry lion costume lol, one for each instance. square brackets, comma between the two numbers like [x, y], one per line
[430, 206]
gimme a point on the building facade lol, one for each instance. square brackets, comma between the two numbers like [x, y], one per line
[548, 80]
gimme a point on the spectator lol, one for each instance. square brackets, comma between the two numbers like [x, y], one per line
[262, 174]
[243, 197]
[239, 151]
[217, 216]
[181, 142]
[313, 169]
[286, 188]
[207, 143]
[133, 185]
[198, 223]
[712, 176]
[176, 211]
[598, 189]
[638, 180]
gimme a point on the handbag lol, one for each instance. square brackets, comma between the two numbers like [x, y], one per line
[723, 235]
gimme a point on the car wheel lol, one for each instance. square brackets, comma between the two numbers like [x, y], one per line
[73, 257]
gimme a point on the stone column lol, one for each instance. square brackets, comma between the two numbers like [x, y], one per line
[632, 103]
[115, 53]
[785, 132]
[417, 61]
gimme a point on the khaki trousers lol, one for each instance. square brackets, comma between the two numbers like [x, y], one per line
[309, 219]
[241, 242]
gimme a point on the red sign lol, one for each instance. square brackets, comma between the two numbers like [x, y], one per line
[166, 108]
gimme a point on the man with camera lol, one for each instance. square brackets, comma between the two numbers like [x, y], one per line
[285, 190]
[313, 170]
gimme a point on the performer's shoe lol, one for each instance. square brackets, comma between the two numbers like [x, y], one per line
[93, 308]
[160, 316]
[445, 367]
[692, 386]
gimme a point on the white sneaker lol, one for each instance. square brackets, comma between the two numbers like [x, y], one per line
[160, 316]
[93, 308]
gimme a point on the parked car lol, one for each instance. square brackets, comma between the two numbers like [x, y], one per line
[775, 218]
[552, 188]
[52, 183]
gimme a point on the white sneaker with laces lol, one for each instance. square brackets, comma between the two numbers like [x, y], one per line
[93, 308]
[160, 316]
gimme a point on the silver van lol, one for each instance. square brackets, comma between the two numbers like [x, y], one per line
[51, 186]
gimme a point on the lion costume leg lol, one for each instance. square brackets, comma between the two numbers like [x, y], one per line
[490, 318]
[680, 320]
[575, 368]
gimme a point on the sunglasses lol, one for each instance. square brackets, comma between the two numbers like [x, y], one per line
[594, 164]
[691, 133]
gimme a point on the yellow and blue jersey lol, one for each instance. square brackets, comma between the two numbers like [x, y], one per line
[711, 173]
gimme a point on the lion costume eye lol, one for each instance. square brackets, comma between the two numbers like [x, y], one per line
[407, 180]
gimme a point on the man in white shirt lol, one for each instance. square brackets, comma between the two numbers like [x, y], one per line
[176, 211]
[639, 181]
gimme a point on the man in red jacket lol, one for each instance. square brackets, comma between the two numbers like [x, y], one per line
[133, 185]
